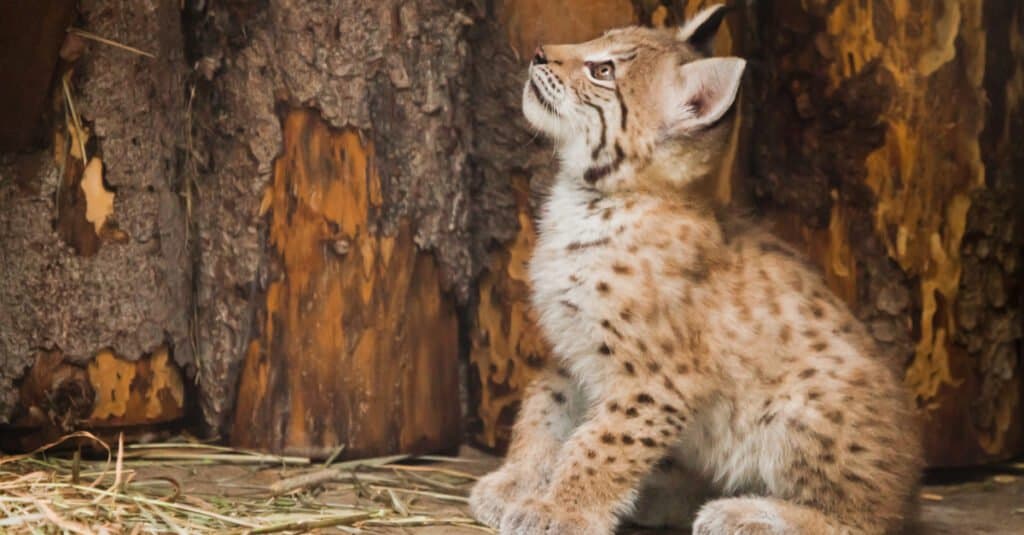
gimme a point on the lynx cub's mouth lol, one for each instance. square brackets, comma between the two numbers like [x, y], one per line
[696, 357]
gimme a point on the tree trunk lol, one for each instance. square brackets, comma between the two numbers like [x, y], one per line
[888, 146]
[331, 191]
[877, 136]
[95, 287]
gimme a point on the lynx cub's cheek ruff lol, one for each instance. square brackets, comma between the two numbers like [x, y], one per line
[704, 376]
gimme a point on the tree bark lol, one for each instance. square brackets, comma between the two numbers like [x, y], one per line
[332, 211]
[92, 247]
[882, 147]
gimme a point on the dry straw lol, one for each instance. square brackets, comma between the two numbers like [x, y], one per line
[139, 489]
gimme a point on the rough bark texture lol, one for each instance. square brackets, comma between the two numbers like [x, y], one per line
[390, 75]
[877, 137]
[882, 147]
[83, 277]
[356, 346]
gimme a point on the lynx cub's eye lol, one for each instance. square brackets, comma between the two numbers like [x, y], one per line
[604, 71]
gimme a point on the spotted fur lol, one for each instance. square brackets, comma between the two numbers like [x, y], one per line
[705, 376]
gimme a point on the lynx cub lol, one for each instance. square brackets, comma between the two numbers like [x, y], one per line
[704, 375]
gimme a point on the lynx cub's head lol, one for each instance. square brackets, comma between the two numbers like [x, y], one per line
[636, 107]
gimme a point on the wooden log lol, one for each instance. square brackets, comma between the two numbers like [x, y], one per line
[143, 397]
[506, 348]
[882, 149]
[357, 345]
[92, 233]
[332, 205]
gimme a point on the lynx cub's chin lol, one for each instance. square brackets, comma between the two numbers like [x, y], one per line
[704, 375]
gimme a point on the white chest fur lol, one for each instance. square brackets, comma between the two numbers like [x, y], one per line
[572, 245]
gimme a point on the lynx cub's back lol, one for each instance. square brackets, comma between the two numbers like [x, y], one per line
[705, 375]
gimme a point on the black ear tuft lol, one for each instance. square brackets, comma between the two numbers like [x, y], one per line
[700, 31]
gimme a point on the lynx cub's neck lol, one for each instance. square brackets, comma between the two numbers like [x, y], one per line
[694, 362]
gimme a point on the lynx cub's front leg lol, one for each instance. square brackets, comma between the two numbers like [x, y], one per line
[602, 466]
[546, 419]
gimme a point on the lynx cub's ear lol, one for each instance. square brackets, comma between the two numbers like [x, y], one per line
[701, 29]
[700, 93]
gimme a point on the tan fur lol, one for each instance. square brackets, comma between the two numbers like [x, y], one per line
[696, 360]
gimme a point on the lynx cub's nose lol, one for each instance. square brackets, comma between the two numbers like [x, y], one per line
[538, 56]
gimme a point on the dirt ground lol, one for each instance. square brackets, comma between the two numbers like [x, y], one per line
[961, 502]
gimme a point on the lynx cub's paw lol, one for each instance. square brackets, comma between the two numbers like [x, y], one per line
[494, 493]
[739, 516]
[535, 517]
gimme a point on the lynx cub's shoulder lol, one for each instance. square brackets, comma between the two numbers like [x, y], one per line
[695, 362]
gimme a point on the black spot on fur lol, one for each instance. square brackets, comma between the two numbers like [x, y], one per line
[808, 373]
[577, 245]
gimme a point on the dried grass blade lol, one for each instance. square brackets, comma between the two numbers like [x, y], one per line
[62, 523]
[435, 495]
[167, 520]
[76, 121]
[334, 455]
[446, 471]
[397, 504]
[104, 40]
[310, 524]
[374, 461]
[302, 481]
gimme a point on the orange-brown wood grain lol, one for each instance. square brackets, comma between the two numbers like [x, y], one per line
[910, 148]
[107, 395]
[507, 347]
[357, 346]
